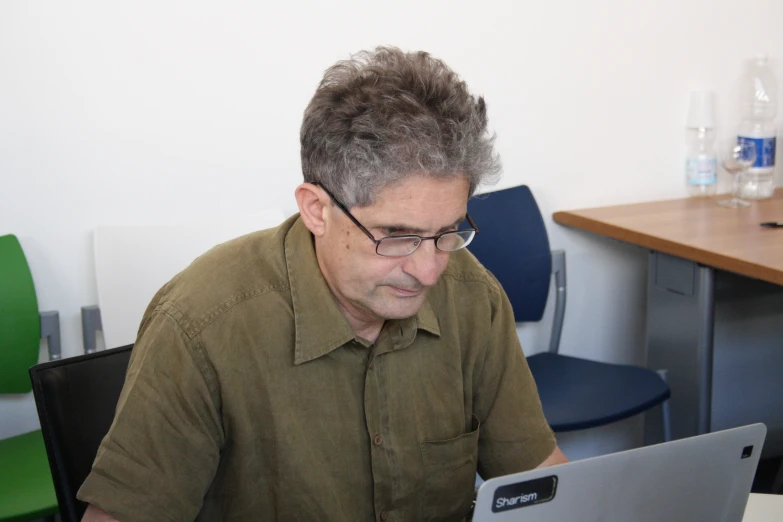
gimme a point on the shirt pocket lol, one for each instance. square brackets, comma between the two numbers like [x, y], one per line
[449, 476]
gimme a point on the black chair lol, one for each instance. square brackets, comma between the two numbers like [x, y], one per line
[576, 393]
[76, 398]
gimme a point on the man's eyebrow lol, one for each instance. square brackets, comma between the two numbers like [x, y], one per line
[419, 231]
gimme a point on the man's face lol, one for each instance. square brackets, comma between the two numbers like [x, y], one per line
[373, 288]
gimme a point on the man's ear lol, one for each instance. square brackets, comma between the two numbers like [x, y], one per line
[313, 203]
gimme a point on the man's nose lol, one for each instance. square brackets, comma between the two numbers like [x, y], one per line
[426, 263]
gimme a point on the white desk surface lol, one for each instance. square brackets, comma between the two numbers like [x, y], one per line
[764, 508]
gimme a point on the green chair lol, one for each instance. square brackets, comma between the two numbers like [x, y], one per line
[26, 487]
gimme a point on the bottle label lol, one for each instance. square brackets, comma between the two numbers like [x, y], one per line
[701, 171]
[765, 151]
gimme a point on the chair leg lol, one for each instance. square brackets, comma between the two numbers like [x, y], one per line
[665, 410]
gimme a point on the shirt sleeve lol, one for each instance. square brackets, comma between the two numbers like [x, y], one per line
[162, 451]
[514, 435]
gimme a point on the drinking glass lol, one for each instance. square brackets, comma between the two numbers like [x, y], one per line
[736, 157]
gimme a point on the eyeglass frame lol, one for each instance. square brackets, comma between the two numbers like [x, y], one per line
[378, 242]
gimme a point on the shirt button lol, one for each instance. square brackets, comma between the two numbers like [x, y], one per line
[383, 515]
[377, 440]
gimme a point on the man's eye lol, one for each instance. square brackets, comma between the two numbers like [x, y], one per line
[391, 231]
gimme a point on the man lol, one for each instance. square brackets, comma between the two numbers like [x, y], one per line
[355, 363]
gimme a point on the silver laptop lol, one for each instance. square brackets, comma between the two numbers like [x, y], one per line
[704, 478]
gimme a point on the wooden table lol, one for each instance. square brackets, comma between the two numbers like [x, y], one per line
[696, 229]
[692, 242]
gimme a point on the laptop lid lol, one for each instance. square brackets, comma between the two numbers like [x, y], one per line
[707, 477]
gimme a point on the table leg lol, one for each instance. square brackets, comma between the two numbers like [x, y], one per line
[679, 338]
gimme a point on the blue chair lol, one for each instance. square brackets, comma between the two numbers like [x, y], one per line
[575, 393]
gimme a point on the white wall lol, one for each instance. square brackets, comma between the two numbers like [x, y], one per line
[171, 112]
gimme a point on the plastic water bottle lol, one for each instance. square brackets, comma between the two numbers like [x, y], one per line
[701, 158]
[758, 106]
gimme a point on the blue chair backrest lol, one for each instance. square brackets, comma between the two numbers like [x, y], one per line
[513, 245]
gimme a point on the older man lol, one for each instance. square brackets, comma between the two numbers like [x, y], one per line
[354, 363]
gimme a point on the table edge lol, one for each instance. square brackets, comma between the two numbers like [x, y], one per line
[705, 257]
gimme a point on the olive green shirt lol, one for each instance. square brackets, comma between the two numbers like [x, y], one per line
[249, 397]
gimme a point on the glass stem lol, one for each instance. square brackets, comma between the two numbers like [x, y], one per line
[735, 190]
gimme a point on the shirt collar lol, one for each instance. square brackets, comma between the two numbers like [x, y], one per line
[319, 325]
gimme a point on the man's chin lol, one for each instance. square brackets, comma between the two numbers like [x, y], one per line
[402, 307]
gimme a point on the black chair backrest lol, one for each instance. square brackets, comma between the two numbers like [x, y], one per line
[76, 398]
[514, 246]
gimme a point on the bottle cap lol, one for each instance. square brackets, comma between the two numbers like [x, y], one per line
[701, 109]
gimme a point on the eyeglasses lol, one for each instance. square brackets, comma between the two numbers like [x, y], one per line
[400, 246]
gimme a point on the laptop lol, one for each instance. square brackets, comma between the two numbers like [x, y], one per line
[703, 478]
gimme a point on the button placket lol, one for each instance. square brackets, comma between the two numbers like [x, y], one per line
[374, 424]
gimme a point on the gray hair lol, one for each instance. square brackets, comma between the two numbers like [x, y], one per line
[385, 115]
